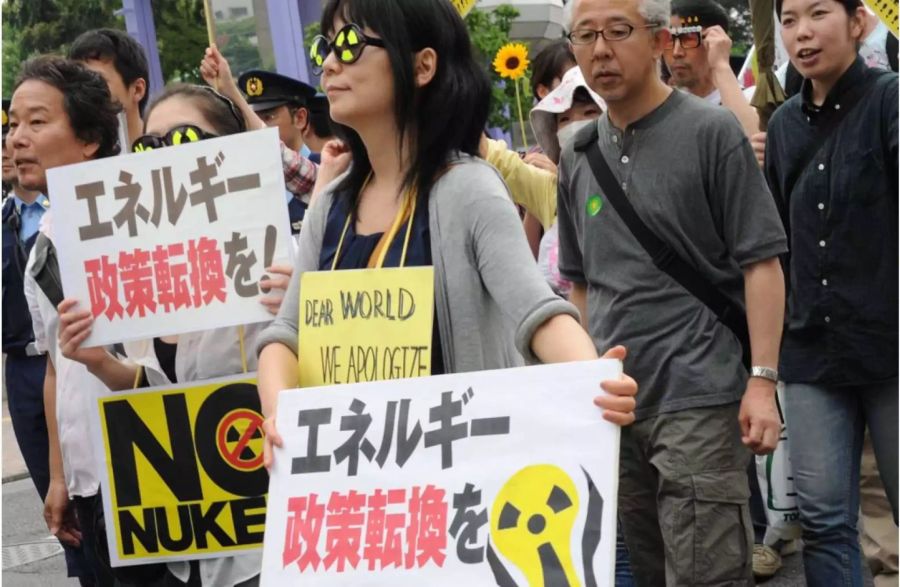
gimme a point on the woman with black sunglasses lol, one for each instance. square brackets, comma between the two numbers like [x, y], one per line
[411, 103]
[181, 114]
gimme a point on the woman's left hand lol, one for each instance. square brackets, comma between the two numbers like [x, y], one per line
[277, 277]
[618, 402]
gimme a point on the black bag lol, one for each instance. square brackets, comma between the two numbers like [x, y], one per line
[664, 256]
[46, 269]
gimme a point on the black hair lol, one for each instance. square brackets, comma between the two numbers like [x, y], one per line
[320, 119]
[550, 63]
[216, 108]
[708, 12]
[850, 6]
[442, 118]
[125, 53]
[581, 96]
[86, 99]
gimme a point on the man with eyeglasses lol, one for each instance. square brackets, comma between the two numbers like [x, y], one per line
[690, 177]
[62, 113]
[697, 54]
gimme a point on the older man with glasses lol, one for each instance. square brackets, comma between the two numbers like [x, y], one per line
[670, 237]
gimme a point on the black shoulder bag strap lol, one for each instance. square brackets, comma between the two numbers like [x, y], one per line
[663, 255]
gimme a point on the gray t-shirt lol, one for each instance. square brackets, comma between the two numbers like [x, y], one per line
[691, 175]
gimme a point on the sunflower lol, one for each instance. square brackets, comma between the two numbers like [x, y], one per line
[511, 61]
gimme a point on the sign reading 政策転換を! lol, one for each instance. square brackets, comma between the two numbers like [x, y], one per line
[502, 477]
[171, 240]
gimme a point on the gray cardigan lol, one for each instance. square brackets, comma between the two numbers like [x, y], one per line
[489, 295]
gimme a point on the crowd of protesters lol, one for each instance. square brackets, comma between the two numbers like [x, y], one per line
[658, 224]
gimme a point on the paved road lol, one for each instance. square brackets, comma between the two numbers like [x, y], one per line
[24, 533]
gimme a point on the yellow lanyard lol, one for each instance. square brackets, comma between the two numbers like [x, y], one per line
[243, 351]
[409, 202]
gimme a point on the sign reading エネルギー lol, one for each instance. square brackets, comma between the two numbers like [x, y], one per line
[172, 240]
[182, 471]
[365, 325]
[496, 477]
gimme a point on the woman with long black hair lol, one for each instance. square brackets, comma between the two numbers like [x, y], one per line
[411, 103]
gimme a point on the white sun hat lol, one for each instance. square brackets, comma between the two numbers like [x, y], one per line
[543, 116]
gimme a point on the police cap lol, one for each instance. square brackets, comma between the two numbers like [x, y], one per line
[266, 90]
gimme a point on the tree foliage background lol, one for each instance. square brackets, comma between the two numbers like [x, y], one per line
[33, 27]
[489, 31]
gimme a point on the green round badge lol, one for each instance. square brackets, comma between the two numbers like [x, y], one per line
[594, 205]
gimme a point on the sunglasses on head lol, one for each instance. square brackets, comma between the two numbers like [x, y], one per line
[242, 125]
[180, 135]
[348, 45]
[689, 39]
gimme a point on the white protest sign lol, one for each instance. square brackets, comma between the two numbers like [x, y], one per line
[171, 240]
[505, 477]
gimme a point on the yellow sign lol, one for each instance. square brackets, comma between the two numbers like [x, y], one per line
[463, 6]
[887, 12]
[185, 476]
[365, 325]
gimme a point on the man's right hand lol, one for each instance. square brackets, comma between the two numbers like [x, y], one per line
[59, 515]
[74, 328]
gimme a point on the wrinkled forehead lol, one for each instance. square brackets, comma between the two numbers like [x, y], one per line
[35, 96]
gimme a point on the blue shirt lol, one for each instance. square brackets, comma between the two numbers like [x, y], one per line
[357, 249]
[30, 215]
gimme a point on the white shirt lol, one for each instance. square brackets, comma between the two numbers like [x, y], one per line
[206, 355]
[874, 49]
[714, 97]
[76, 389]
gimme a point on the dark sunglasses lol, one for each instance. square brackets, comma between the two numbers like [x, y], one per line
[180, 135]
[348, 45]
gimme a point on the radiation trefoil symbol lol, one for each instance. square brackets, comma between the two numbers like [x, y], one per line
[532, 524]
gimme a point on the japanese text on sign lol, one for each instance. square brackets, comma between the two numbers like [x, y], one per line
[496, 477]
[182, 232]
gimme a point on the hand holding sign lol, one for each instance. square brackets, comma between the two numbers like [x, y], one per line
[618, 406]
[277, 278]
[74, 327]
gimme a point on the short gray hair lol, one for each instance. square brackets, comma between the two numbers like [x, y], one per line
[655, 11]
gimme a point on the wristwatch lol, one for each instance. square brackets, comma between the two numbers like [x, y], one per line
[764, 373]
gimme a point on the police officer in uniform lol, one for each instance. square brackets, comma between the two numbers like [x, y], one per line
[25, 366]
[283, 103]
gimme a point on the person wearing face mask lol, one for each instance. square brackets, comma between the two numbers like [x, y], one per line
[568, 110]
[570, 107]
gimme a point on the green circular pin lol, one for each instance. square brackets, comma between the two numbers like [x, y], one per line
[594, 205]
